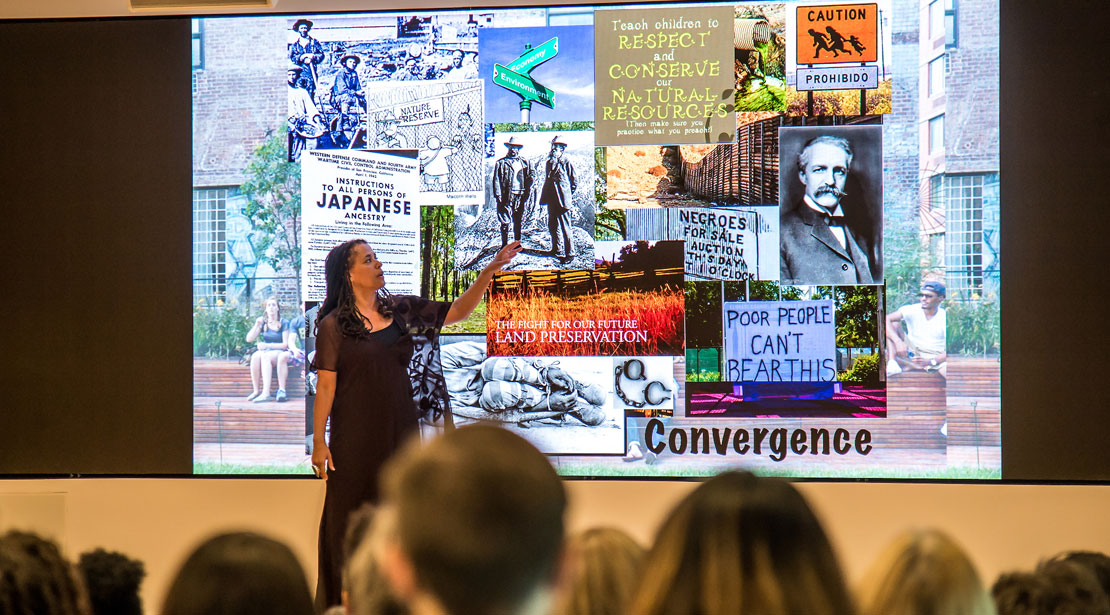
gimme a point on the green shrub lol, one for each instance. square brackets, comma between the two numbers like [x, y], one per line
[220, 331]
[864, 370]
[974, 327]
[703, 377]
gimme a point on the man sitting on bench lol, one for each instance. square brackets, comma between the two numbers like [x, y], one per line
[921, 346]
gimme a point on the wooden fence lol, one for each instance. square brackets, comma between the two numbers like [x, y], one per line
[716, 177]
[582, 281]
[746, 172]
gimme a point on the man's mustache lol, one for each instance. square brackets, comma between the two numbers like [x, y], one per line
[823, 190]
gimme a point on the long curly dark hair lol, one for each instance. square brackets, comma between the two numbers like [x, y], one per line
[340, 297]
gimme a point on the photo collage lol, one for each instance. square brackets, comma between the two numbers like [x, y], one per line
[744, 243]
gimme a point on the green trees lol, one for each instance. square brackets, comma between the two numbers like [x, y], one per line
[609, 224]
[438, 278]
[857, 316]
[273, 191]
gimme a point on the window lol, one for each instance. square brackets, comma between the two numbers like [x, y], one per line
[936, 76]
[951, 25]
[971, 250]
[936, 19]
[936, 134]
[209, 244]
[936, 193]
[931, 213]
[198, 44]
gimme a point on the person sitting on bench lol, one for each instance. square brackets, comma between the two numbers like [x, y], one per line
[921, 346]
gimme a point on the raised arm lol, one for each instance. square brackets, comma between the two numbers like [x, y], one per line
[256, 330]
[465, 304]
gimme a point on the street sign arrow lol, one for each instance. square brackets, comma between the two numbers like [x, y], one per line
[535, 56]
[523, 85]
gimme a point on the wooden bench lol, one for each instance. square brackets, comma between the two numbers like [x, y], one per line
[973, 422]
[974, 376]
[974, 401]
[916, 393]
[222, 420]
[228, 378]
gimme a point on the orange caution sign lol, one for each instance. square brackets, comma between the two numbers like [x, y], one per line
[837, 33]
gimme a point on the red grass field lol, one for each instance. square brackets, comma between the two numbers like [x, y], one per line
[658, 314]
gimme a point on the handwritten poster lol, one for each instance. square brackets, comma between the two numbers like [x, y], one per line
[780, 341]
[664, 76]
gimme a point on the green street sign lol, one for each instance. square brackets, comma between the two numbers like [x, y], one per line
[535, 56]
[523, 85]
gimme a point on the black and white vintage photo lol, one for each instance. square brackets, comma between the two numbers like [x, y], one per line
[830, 205]
[333, 59]
[563, 405]
[443, 121]
[539, 191]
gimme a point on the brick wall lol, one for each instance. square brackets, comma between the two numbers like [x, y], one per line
[239, 95]
[971, 120]
[900, 137]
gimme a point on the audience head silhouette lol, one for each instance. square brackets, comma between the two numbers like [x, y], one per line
[112, 580]
[603, 567]
[367, 589]
[1056, 587]
[479, 523]
[1097, 563]
[239, 574]
[924, 573]
[741, 544]
[35, 579]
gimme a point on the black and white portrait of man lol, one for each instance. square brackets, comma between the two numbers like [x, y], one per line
[540, 191]
[558, 190]
[512, 183]
[830, 205]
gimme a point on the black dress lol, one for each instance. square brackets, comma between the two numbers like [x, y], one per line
[385, 381]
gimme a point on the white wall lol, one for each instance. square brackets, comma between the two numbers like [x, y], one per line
[159, 521]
